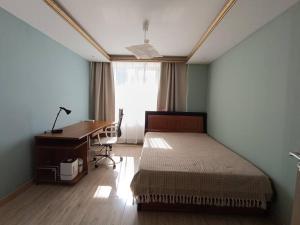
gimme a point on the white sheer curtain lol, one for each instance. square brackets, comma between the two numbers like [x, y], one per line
[136, 89]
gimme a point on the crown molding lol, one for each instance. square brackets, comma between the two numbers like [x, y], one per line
[69, 19]
[228, 5]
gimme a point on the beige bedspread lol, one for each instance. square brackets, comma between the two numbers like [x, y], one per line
[192, 168]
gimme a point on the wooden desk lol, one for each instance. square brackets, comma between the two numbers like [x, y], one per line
[52, 149]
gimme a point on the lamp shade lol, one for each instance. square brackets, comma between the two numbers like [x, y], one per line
[68, 111]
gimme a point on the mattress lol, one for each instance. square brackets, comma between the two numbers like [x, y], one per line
[193, 168]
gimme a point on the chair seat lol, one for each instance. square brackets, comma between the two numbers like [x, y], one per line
[109, 140]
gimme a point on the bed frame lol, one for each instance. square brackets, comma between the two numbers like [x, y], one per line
[162, 121]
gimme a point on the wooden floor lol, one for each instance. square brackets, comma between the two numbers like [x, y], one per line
[102, 197]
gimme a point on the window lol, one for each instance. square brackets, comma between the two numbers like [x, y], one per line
[136, 89]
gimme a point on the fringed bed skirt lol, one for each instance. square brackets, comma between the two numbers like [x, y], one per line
[204, 201]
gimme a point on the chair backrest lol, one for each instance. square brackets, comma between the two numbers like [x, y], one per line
[119, 132]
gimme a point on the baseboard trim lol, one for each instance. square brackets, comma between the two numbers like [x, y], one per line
[22, 188]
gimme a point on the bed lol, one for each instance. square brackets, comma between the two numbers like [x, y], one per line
[182, 168]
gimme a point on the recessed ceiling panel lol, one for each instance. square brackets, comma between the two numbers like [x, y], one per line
[175, 25]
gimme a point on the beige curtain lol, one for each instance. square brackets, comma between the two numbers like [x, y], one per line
[102, 96]
[172, 87]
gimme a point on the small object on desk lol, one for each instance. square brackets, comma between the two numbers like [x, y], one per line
[90, 121]
[58, 131]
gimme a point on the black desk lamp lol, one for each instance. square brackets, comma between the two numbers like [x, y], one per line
[59, 130]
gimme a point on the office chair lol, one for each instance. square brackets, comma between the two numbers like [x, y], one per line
[106, 139]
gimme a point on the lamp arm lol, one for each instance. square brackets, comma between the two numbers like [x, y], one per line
[56, 119]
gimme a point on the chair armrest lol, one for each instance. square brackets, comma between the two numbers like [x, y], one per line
[112, 130]
[98, 132]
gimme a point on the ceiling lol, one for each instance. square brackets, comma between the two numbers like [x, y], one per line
[175, 25]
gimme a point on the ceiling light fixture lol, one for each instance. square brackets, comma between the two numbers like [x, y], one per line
[144, 51]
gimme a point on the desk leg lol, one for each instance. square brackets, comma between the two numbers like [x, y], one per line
[83, 154]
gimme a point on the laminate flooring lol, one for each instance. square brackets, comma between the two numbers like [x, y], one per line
[103, 197]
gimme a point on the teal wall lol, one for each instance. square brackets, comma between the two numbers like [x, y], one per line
[197, 87]
[37, 75]
[253, 103]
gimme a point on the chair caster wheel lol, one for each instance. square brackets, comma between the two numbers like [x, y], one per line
[121, 159]
[96, 166]
[114, 166]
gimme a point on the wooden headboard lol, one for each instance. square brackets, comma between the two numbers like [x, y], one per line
[162, 121]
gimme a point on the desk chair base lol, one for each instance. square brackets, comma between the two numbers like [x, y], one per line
[106, 155]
